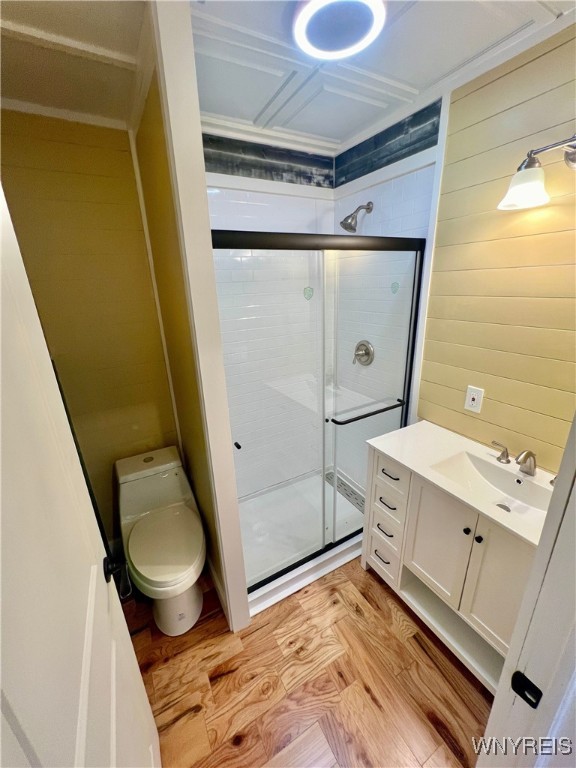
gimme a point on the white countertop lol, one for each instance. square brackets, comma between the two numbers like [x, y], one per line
[423, 445]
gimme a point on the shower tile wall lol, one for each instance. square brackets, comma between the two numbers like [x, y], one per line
[375, 297]
[266, 212]
[372, 307]
[259, 310]
[401, 207]
[272, 346]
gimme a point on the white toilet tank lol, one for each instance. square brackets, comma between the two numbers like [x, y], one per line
[150, 481]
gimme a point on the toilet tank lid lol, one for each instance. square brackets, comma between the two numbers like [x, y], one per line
[146, 464]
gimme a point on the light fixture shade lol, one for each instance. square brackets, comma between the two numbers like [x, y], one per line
[526, 190]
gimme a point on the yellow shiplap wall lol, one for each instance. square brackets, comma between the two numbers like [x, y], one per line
[502, 312]
[168, 267]
[72, 197]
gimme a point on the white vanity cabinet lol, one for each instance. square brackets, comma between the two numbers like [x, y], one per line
[475, 565]
[457, 557]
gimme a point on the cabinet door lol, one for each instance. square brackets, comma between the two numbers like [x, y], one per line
[499, 566]
[438, 540]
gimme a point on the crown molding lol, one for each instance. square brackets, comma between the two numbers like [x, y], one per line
[232, 129]
[42, 39]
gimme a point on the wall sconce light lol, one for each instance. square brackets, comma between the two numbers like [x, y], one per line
[526, 188]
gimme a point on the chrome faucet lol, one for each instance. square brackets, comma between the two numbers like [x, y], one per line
[527, 462]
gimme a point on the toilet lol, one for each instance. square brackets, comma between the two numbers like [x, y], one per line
[162, 535]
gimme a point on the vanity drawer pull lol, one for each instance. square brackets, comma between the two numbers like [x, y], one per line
[390, 476]
[379, 556]
[381, 500]
[390, 535]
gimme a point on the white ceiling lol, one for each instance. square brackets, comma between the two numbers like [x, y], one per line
[84, 58]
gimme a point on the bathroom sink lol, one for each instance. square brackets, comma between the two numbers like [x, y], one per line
[492, 483]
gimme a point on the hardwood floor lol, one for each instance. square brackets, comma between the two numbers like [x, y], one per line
[339, 675]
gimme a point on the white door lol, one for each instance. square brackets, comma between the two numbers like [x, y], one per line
[543, 647]
[71, 689]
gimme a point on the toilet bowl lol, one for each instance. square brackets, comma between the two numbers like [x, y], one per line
[162, 534]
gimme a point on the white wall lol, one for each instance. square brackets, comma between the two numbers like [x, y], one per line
[367, 306]
[272, 343]
[401, 197]
[272, 335]
[374, 303]
[251, 204]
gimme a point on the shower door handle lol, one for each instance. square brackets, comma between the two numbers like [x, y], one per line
[398, 404]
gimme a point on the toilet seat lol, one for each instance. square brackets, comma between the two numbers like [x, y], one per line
[167, 547]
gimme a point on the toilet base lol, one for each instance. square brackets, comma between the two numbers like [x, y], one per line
[176, 615]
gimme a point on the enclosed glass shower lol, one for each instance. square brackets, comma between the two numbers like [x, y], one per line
[318, 335]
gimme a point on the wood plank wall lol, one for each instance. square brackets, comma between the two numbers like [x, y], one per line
[502, 306]
[163, 228]
[72, 196]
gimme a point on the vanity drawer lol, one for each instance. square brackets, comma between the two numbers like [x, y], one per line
[386, 528]
[393, 474]
[383, 560]
[389, 500]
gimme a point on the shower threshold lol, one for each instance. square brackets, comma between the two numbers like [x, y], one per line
[282, 528]
[309, 560]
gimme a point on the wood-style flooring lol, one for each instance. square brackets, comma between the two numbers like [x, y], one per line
[340, 674]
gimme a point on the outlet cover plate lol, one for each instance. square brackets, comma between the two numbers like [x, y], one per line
[474, 397]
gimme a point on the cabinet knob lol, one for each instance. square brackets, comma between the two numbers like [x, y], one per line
[467, 531]
[479, 539]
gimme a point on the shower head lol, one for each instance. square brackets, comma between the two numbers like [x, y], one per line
[350, 222]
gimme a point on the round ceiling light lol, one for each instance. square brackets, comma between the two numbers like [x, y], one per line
[336, 29]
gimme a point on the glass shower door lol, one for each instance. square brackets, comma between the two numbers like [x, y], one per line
[294, 309]
[372, 317]
[271, 314]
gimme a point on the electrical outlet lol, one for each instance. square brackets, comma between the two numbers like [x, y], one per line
[474, 397]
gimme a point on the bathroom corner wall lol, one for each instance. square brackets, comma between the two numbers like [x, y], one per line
[170, 279]
[72, 196]
[401, 202]
[502, 313]
[252, 296]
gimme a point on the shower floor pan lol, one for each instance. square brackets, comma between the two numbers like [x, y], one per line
[283, 526]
